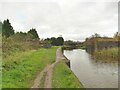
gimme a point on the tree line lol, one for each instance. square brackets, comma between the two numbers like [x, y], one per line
[55, 41]
[20, 41]
[96, 36]
[7, 31]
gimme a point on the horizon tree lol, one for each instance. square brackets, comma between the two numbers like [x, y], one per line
[60, 41]
[7, 29]
[34, 33]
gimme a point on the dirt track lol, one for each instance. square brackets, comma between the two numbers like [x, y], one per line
[48, 70]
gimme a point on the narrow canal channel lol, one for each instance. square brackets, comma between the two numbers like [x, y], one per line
[93, 73]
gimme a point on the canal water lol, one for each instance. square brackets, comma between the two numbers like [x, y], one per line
[93, 73]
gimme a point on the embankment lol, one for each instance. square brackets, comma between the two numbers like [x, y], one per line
[63, 77]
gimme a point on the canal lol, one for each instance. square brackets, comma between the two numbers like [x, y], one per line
[93, 73]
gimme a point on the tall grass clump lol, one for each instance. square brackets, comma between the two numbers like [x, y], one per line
[110, 53]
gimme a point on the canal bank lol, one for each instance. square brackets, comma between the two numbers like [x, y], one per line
[93, 73]
[56, 74]
[63, 77]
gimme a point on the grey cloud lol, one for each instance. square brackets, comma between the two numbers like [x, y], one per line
[72, 19]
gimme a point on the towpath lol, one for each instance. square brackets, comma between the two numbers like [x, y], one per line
[48, 70]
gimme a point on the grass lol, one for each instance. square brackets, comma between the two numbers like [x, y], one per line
[43, 80]
[20, 69]
[110, 53]
[63, 77]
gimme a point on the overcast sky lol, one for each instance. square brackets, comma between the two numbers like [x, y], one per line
[73, 19]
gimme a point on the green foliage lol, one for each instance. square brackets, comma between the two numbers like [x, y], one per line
[21, 68]
[55, 41]
[34, 33]
[69, 43]
[64, 78]
[60, 41]
[7, 29]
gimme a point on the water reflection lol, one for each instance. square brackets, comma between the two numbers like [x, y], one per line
[91, 72]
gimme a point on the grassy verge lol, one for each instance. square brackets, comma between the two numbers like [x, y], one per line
[20, 69]
[111, 53]
[63, 77]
